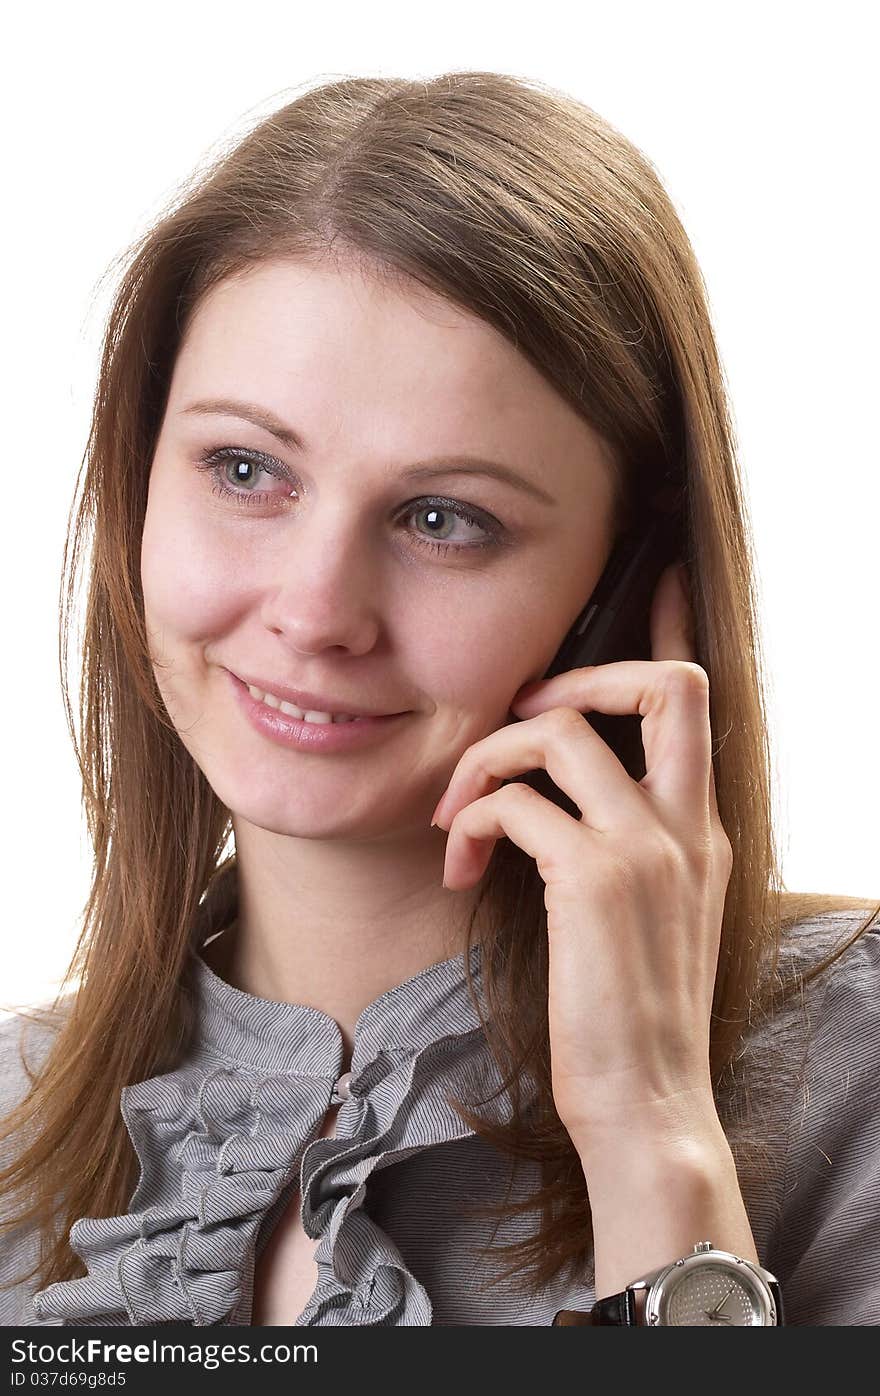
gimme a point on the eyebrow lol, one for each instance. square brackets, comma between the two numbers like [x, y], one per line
[438, 465]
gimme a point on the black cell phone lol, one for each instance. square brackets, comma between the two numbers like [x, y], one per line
[615, 625]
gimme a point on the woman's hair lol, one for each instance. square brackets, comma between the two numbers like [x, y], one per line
[521, 205]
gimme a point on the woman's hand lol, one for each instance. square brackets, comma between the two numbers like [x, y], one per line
[635, 889]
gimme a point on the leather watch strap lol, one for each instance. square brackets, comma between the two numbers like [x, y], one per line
[773, 1286]
[572, 1318]
[618, 1309]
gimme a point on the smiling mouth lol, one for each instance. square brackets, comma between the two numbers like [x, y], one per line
[315, 732]
[308, 711]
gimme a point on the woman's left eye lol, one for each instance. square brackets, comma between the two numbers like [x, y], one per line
[218, 462]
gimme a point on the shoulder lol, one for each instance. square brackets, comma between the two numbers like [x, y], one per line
[840, 1005]
[829, 1223]
[818, 997]
[841, 1079]
[826, 1035]
[25, 1042]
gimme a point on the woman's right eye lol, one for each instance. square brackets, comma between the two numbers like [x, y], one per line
[217, 462]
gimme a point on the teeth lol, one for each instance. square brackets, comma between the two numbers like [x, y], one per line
[292, 711]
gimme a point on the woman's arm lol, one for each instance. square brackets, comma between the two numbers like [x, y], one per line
[658, 1184]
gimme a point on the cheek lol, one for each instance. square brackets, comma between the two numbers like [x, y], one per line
[483, 661]
[476, 653]
[187, 585]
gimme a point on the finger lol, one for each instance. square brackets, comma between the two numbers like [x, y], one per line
[575, 757]
[672, 698]
[538, 827]
[672, 630]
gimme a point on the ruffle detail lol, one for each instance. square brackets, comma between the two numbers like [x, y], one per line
[362, 1277]
[217, 1145]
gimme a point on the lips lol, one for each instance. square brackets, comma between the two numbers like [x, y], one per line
[286, 730]
[314, 702]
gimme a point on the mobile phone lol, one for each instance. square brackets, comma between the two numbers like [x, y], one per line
[615, 625]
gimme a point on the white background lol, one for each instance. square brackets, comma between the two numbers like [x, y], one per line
[758, 119]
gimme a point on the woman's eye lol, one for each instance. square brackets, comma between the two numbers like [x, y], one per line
[246, 463]
[445, 514]
[229, 466]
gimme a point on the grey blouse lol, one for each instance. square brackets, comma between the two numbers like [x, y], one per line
[225, 1138]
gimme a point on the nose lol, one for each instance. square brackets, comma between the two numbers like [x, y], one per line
[325, 590]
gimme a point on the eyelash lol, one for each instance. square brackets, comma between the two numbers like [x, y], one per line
[215, 460]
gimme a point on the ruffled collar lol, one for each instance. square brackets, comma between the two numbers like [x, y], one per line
[222, 1138]
[292, 1037]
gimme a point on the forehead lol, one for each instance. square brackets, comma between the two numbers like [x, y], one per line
[313, 317]
[340, 353]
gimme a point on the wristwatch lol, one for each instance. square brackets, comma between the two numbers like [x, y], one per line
[704, 1289]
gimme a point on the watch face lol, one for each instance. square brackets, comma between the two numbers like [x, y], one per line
[709, 1291]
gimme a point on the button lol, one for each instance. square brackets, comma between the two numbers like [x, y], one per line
[342, 1088]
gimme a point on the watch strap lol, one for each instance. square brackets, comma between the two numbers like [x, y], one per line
[619, 1309]
[773, 1286]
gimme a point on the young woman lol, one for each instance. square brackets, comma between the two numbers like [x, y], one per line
[497, 1009]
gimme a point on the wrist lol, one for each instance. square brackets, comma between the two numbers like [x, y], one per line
[677, 1176]
[655, 1193]
[684, 1128]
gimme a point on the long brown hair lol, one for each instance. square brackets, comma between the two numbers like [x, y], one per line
[523, 206]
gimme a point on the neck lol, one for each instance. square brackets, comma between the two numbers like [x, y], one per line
[335, 928]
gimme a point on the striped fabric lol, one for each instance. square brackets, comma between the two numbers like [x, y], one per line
[225, 1138]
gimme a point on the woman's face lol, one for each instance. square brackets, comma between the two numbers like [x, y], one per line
[332, 565]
